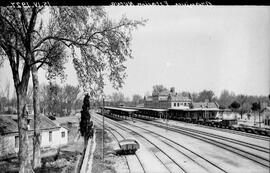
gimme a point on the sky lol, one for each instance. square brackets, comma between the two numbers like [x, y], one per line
[192, 48]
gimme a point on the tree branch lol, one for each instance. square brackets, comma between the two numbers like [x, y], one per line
[76, 42]
[10, 24]
[23, 20]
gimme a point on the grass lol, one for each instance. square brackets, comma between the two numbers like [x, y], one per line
[100, 166]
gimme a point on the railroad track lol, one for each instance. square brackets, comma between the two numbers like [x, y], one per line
[258, 159]
[256, 136]
[198, 160]
[238, 142]
[180, 170]
[126, 159]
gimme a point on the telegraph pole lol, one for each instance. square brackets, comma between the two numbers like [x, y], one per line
[103, 129]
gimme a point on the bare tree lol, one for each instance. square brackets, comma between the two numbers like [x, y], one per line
[206, 95]
[70, 93]
[117, 97]
[226, 98]
[136, 99]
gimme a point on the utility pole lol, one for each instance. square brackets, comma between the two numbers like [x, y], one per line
[103, 129]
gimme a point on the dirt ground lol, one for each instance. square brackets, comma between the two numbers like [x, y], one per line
[111, 163]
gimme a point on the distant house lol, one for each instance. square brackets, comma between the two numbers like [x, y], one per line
[52, 135]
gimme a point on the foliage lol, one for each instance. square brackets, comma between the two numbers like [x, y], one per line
[256, 106]
[194, 96]
[235, 105]
[226, 98]
[70, 94]
[85, 123]
[57, 100]
[104, 45]
[158, 89]
[172, 89]
[29, 43]
[136, 99]
[116, 98]
[206, 95]
[98, 45]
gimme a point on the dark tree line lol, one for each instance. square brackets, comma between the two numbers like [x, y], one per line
[58, 100]
[55, 100]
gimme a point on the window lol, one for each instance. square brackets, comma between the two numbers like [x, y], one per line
[178, 104]
[16, 141]
[174, 104]
[63, 134]
[50, 136]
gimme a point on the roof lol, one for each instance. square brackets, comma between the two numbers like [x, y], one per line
[169, 95]
[45, 124]
[120, 109]
[179, 97]
[7, 125]
[127, 141]
[152, 109]
[204, 105]
[194, 109]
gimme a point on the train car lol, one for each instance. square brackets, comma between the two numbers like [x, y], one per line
[228, 123]
[128, 146]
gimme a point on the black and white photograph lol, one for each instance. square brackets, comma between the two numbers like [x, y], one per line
[129, 87]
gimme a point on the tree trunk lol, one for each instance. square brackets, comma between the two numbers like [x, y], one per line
[37, 138]
[24, 159]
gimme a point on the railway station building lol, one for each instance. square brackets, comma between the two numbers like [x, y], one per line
[181, 107]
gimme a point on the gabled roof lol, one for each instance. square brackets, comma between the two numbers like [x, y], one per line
[164, 93]
[7, 125]
[179, 97]
[45, 123]
[204, 105]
